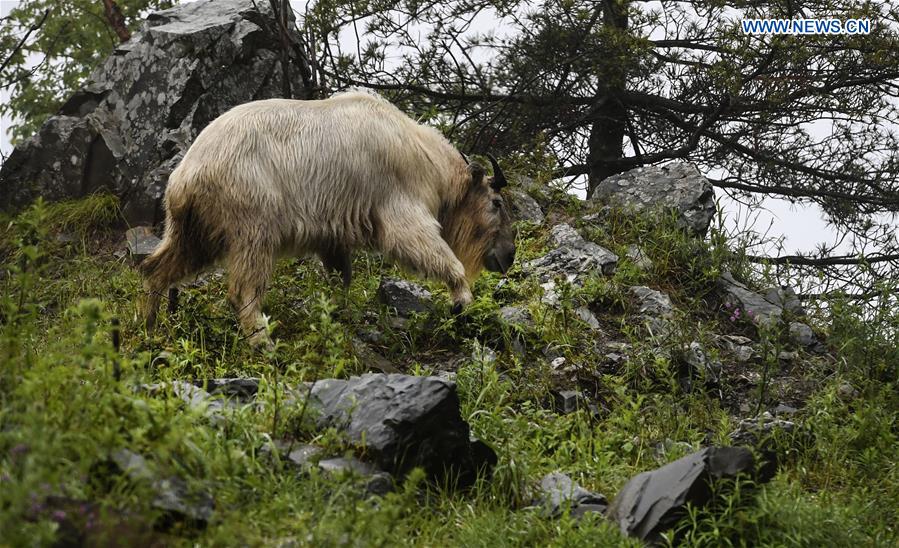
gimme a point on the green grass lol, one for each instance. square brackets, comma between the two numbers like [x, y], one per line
[68, 400]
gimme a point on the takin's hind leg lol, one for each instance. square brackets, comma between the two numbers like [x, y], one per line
[249, 271]
[162, 271]
[417, 243]
[340, 261]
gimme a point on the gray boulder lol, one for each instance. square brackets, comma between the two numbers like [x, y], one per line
[141, 242]
[172, 494]
[558, 493]
[653, 308]
[573, 258]
[403, 422]
[128, 126]
[677, 187]
[756, 430]
[802, 334]
[652, 502]
[523, 206]
[639, 258]
[405, 297]
[766, 307]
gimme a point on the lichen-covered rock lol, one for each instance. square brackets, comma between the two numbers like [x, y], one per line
[523, 206]
[126, 129]
[405, 297]
[764, 308]
[573, 258]
[677, 187]
[654, 308]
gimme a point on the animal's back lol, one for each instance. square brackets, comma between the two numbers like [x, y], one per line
[327, 164]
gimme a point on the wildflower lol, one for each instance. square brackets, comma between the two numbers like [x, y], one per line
[59, 515]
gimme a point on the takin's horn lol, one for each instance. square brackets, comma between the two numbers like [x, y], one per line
[499, 180]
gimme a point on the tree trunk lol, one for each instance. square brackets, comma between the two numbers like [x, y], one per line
[116, 20]
[606, 141]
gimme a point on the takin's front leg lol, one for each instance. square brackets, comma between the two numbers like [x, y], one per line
[415, 241]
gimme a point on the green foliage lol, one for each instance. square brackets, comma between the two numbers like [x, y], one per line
[68, 400]
[74, 38]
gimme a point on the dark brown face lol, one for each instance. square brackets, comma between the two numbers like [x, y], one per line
[501, 253]
[494, 218]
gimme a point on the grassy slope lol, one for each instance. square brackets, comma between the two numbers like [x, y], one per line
[66, 406]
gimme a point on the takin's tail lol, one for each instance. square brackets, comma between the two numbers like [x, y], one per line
[189, 246]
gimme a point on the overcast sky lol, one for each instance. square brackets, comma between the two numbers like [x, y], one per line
[802, 226]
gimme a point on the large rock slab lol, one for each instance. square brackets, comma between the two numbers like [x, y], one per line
[652, 502]
[677, 187]
[128, 126]
[403, 422]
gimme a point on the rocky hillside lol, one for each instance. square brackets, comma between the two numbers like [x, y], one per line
[629, 381]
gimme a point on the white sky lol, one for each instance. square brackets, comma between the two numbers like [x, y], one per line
[802, 227]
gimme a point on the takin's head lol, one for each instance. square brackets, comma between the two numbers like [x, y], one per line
[479, 229]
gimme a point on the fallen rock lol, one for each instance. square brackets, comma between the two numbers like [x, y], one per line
[847, 392]
[132, 120]
[376, 481]
[173, 496]
[370, 359]
[677, 187]
[652, 502]
[802, 335]
[516, 316]
[738, 346]
[756, 430]
[240, 388]
[765, 308]
[558, 493]
[523, 206]
[192, 395]
[651, 302]
[405, 297]
[588, 317]
[699, 364]
[639, 258]
[141, 242]
[403, 422]
[573, 258]
[654, 308]
[567, 401]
